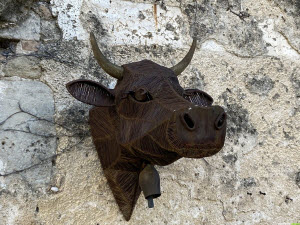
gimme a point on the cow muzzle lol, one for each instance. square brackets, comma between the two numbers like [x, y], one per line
[198, 132]
[191, 119]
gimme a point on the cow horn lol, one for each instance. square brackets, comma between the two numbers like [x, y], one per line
[180, 67]
[110, 68]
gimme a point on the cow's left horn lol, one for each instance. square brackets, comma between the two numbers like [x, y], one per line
[110, 68]
[180, 67]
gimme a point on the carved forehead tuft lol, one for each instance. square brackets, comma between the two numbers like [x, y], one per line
[146, 68]
[147, 74]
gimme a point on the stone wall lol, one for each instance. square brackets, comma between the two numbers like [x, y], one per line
[248, 59]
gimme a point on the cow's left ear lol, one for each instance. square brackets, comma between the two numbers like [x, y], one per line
[91, 92]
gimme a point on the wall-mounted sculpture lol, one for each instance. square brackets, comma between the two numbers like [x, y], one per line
[148, 119]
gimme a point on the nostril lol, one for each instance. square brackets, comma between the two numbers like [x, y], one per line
[220, 121]
[188, 121]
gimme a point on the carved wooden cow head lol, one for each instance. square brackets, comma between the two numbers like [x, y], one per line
[147, 119]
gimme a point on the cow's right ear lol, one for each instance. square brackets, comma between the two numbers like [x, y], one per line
[91, 92]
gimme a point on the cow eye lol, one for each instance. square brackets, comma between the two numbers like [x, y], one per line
[141, 95]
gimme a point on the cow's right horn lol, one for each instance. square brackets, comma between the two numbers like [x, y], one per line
[110, 68]
[180, 67]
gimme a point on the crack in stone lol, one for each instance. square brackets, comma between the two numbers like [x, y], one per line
[249, 211]
[231, 52]
[29, 132]
[43, 161]
[223, 207]
[161, 3]
[3, 122]
[242, 14]
[41, 119]
[206, 163]
[46, 136]
[223, 210]
[288, 41]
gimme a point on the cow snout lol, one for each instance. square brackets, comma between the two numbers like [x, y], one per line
[197, 131]
[196, 117]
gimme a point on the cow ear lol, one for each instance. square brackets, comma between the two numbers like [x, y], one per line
[198, 97]
[91, 92]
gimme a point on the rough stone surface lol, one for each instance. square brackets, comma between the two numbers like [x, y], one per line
[247, 59]
[259, 84]
[30, 45]
[27, 28]
[27, 145]
[14, 11]
[27, 132]
[27, 67]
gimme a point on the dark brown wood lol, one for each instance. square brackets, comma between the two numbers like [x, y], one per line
[148, 119]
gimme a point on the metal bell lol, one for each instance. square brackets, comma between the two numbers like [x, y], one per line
[150, 184]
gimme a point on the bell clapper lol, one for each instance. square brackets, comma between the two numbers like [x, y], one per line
[150, 202]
